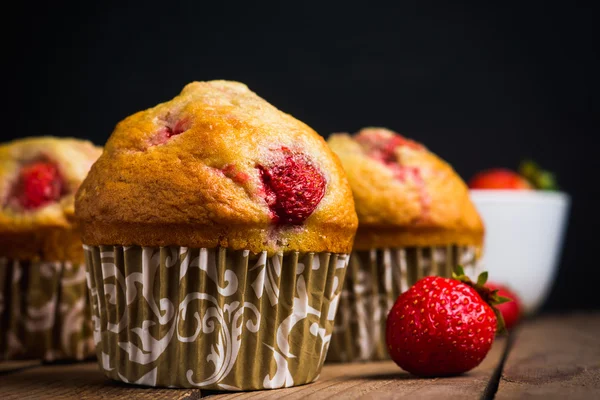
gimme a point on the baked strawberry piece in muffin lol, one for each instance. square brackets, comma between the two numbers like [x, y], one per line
[41, 255]
[293, 188]
[415, 219]
[233, 221]
[40, 183]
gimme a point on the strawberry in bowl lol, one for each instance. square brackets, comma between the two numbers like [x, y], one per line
[529, 177]
[525, 215]
[499, 178]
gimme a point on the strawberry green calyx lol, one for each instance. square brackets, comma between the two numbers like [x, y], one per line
[538, 177]
[488, 295]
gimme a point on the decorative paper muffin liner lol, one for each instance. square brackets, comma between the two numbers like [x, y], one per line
[374, 281]
[212, 318]
[44, 311]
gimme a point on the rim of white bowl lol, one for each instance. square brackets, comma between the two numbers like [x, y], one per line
[518, 196]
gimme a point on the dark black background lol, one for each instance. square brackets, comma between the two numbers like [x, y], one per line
[480, 86]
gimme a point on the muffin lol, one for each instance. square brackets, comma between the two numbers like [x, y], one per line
[415, 219]
[44, 308]
[216, 230]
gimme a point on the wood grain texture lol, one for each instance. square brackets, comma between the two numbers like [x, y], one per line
[554, 358]
[383, 380]
[352, 381]
[7, 367]
[551, 357]
[78, 381]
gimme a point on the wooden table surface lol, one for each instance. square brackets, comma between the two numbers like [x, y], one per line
[549, 357]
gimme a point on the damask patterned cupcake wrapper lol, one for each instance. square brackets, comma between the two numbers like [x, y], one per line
[44, 311]
[212, 318]
[374, 281]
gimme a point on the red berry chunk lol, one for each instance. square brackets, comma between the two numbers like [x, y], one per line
[381, 145]
[171, 129]
[234, 174]
[293, 188]
[40, 184]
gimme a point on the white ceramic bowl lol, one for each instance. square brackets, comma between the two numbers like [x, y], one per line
[523, 239]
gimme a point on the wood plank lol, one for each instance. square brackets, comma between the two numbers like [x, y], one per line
[79, 381]
[384, 380]
[366, 380]
[554, 358]
[7, 367]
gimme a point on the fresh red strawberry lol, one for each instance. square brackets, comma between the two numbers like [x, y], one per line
[40, 184]
[442, 326]
[292, 188]
[511, 310]
[499, 178]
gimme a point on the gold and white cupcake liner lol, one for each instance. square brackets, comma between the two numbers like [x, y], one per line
[212, 318]
[374, 281]
[44, 311]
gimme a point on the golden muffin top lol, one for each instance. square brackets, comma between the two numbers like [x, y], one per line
[38, 180]
[404, 194]
[217, 166]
